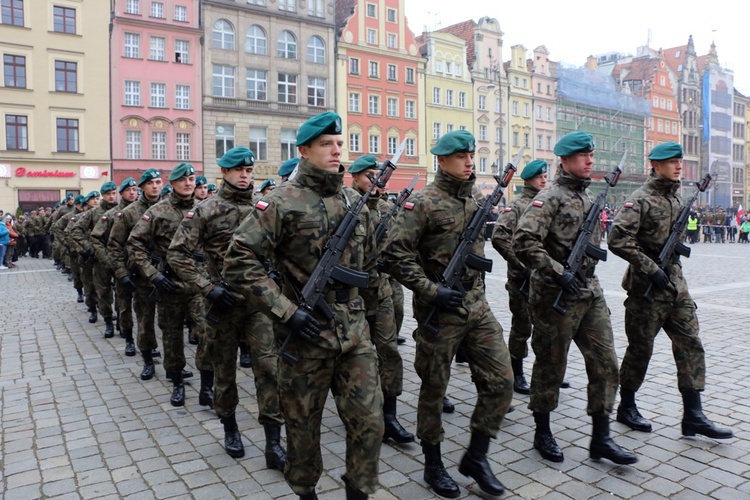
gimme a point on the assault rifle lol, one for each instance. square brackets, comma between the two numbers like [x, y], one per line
[383, 224]
[463, 256]
[582, 248]
[673, 244]
[328, 270]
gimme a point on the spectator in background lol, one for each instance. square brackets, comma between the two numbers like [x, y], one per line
[4, 243]
[744, 229]
[692, 228]
[11, 253]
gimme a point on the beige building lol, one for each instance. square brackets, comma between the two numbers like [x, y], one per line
[54, 102]
[544, 96]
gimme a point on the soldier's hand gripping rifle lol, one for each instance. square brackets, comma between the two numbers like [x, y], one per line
[673, 244]
[382, 228]
[463, 256]
[582, 248]
[328, 270]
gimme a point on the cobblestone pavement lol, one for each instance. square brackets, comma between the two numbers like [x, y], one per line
[77, 422]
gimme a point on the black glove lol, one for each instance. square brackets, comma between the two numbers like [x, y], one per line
[448, 299]
[659, 279]
[568, 283]
[163, 283]
[127, 283]
[304, 324]
[221, 297]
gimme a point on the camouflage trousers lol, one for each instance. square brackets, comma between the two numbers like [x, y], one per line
[87, 278]
[390, 364]
[481, 338]
[520, 322]
[643, 320]
[75, 270]
[103, 286]
[353, 380]
[587, 323]
[145, 314]
[197, 319]
[124, 304]
[172, 313]
[242, 323]
[398, 302]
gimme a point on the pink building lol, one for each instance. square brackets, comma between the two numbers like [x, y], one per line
[156, 65]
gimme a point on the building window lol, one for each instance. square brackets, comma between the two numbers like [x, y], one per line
[17, 132]
[286, 46]
[157, 10]
[224, 139]
[223, 81]
[287, 5]
[158, 95]
[436, 131]
[498, 134]
[66, 76]
[372, 10]
[316, 91]
[435, 163]
[182, 96]
[436, 92]
[391, 15]
[157, 48]
[515, 108]
[159, 145]
[133, 145]
[515, 139]
[392, 107]
[483, 165]
[392, 145]
[374, 69]
[354, 142]
[410, 147]
[180, 13]
[64, 20]
[410, 109]
[255, 40]
[256, 81]
[259, 143]
[439, 66]
[409, 75]
[355, 105]
[14, 71]
[526, 110]
[182, 51]
[462, 99]
[483, 102]
[315, 8]
[392, 41]
[12, 12]
[373, 105]
[316, 50]
[287, 88]
[449, 97]
[132, 93]
[353, 66]
[374, 144]
[67, 135]
[372, 37]
[223, 35]
[448, 128]
[288, 143]
[392, 72]
[133, 7]
[526, 138]
[549, 113]
[182, 142]
[132, 45]
[483, 132]
[262, 3]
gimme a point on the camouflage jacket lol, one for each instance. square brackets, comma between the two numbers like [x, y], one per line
[426, 233]
[291, 226]
[100, 232]
[60, 214]
[502, 237]
[639, 231]
[547, 230]
[151, 236]
[118, 235]
[80, 233]
[208, 229]
[68, 226]
[31, 226]
[379, 207]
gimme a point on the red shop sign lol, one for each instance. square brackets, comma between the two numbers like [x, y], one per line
[22, 172]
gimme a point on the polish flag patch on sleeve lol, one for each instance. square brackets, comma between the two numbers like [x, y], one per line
[508, 209]
[629, 204]
[190, 215]
[119, 215]
[537, 203]
[409, 205]
[104, 217]
[262, 205]
[146, 217]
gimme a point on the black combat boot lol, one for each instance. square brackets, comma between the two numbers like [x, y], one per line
[628, 414]
[183, 374]
[206, 394]
[695, 422]
[448, 406]
[400, 340]
[353, 493]
[93, 317]
[129, 344]
[80, 296]
[275, 453]
[602, 446]
[519, 381]
[544, 441]
[393, 429]
[435, 474]
[109, 328]
[461, 355]
[148, 366]
[232, 437]
[246, 361]
[178, 390]
[474, 464]
[310, 495]
[155, 352]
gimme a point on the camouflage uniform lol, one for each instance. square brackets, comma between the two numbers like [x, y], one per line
[291, 226]
[59, 250]
[73, 261]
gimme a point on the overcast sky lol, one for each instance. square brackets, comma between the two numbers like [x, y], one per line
[571, 31]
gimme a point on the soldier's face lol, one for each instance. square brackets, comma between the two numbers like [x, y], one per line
[184, 186]
[110, 197]
[93, 202]
[538, 181]
[152, 188]
[201, 192]
[362, 181]
[579, 164]
[324, 152]
[240, 177]
[668, 169]
[130, 194]
[459, 165]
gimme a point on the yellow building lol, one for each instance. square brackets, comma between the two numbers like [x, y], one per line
[520, 103]
[54, 101]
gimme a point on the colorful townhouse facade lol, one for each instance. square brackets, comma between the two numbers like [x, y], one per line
[54, 103]
[543, 105]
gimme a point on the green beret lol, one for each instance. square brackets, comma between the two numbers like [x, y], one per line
[167, 189]
[666, 151]
[200, 181]
[69, 196]
[92, 194]
[363, 163]
[79, 200]
[107, 187]
[127, 183]
[267, 183]
[149, 175]
[324, 123]
[212, 187]
[454, 142]
[288, 167]
[57, 205]
[237, 157]
[180, 171]
[575, 142]
[534, 168]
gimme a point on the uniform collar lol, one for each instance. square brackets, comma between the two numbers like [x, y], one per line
[179, 202]
[661, 184]
[572, 182]
[230, 192]
[459, 188]
[321, 181]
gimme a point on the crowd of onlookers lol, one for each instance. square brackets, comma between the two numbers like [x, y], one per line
[29, 234]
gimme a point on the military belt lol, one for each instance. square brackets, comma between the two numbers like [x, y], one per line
[342, 295]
